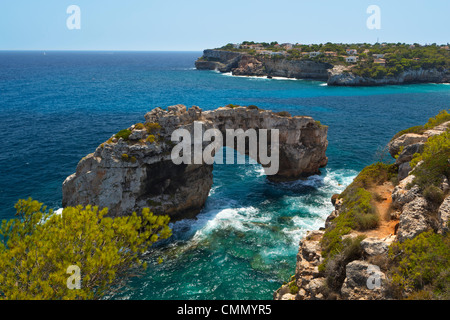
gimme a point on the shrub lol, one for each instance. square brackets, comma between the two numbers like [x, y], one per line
[124, 134]
[435, 161]
[38, 246]
[293, 289]
[133, 159]
[422, 263]
[139, 126]
[151, 138]
[125, 157]
[252, 107]
[232, 106]
[433, 194]
[152, 127]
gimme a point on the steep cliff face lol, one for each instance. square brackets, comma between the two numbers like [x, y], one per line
[128, 173]
[251, 66]
[223, 61]
[409, 76]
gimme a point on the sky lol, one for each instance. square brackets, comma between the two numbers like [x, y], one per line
[194, 25]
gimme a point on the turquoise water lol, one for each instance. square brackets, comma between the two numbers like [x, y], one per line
[59, 107]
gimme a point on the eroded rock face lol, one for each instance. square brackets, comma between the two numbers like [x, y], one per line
[127, 175]
[413, 219]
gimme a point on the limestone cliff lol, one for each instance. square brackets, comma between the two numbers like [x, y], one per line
[134, 168]
[247, 65]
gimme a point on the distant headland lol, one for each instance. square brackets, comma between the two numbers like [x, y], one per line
[360, 64]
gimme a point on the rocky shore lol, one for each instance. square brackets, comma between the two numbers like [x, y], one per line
[134, 169]
[242, 64]
[364, 272]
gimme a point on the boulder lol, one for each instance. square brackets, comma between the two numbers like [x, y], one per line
[403, 141]
[363, 281]
[413, 219]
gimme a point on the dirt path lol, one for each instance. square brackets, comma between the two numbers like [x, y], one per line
[383, 205]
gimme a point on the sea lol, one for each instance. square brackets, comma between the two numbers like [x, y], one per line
[56, 107]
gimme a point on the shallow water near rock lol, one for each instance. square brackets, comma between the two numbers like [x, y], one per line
[59, 107]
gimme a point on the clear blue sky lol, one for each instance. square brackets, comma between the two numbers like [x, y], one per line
[198, 24]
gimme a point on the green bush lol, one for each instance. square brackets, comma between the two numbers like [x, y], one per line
[422, 263]
[152, 127]
[151, 138]
[293, 289]
[252, 107]
[232, 106]
[139, 126]
[433, 194]
[124, 134]
[435, 159]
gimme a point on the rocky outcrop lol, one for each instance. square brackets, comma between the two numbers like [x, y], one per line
[408, 76]
[405, 146]
[221, 60]
[126, 174]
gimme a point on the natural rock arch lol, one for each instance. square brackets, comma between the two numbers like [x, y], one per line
[134, 171]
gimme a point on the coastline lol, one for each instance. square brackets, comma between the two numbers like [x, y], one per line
[244, 64]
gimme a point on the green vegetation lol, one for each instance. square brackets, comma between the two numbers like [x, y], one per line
[293, 289]
[38, 246]
[422, 264]
[151, 138]
[139, 126]
[435, 165]
[124, 134]
[125, 157]
[152, 127]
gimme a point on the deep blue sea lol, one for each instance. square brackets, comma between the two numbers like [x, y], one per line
[59, 106]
